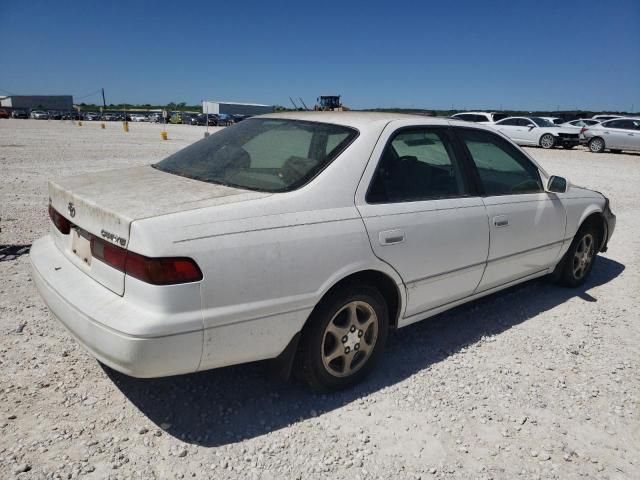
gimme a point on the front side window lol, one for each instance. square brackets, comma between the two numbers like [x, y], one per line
[272, 155]
[417, 164]
[466, 116]
[502, 168]
[623, 124]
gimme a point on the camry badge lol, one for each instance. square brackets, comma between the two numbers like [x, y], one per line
[72, 209]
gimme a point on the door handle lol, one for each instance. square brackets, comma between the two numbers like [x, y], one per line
[391, 237]
[501, 221]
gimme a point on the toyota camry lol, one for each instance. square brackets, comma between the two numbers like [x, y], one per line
[304, 238]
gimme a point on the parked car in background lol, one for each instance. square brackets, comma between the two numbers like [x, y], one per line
[176, 117]
[604, 117]
[39, 115]
[19, 114]
[304, 237]
[238, 118]
[480, 117]
[190, 119]
[618, 134]
[156, 117]
[203, 119]
[224, 119]
[109, 117]
[139, 117]
[579, 125]
[537, 131]
[54, 115]
[91, 116]
[4, 113]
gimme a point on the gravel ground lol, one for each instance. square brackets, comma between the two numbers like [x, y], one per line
[534, 382]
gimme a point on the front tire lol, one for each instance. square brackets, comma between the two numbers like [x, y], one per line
[596, 145]
[577, 263]
[547, 141]
[343, 338]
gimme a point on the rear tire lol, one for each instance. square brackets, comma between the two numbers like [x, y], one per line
[577, 263]
[547, 141]
[344, 337]
[596, 145]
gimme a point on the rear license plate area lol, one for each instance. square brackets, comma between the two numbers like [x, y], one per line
[81, 245]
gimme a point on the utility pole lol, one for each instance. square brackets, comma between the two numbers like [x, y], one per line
[104, 102]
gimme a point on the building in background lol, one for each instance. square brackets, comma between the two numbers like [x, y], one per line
[37, 102]
[234, 108]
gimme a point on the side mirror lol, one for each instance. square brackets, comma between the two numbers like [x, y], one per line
[557, 184]
[531, 126]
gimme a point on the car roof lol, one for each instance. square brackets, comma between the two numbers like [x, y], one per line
[476, 113]
[353, 119]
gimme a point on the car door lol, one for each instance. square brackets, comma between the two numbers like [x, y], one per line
[527, 224]
[511, 128]
[625, 134]
[422, 215]
[529, 132]
[614, 134]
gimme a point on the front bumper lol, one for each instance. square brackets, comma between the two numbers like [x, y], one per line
[610, 220]
[568, 142]
[94, 315]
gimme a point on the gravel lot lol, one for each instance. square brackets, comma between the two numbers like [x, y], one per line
[535, 382]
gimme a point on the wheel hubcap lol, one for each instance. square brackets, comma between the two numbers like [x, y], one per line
[349, 339]
[547, 141]
[583, 256]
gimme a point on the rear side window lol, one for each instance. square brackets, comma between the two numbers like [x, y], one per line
[272, 155]
[502, 168]
[417, 164]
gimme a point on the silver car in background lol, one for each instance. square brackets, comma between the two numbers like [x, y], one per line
[615, 135]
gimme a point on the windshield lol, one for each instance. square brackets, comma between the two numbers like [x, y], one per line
[272, 155]
[541, 122]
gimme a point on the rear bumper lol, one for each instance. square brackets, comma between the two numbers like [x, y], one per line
[89, 311]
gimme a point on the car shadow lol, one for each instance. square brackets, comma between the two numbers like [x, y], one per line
[12, 252]
[226, 405]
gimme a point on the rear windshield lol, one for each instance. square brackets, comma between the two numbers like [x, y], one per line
[499, 116]
[270, 155]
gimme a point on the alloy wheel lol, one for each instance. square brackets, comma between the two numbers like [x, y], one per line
[583, 256]
[596, 145]
[547, 141]
[349, 339]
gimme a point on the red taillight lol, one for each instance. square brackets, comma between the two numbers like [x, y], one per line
[157, 271]
[61, 223]
[109, 253]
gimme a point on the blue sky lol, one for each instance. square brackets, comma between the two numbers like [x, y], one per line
[534, 54]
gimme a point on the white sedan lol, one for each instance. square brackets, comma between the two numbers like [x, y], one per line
[537, 131]
[304, 237]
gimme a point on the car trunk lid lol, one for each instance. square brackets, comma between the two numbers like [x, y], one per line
[105, 204]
